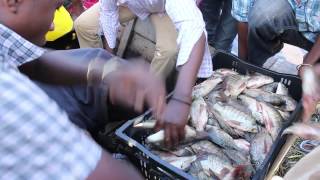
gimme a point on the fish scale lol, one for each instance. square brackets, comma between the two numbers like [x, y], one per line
[236, 118]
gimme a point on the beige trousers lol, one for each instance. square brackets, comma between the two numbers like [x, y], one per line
[87, 28]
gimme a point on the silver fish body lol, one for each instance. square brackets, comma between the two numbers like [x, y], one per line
[235, 118]
[289, 104]
[183, 163]
[260, 95]
[234, 85]
[213, 165]
[199, 114]
[207, 147]
[243, 145]
[260, 147]
[225, 72]
[272, 87]
[205, 87]
[223, 125]
[254, 106]
[158, 138]
[257, 81]
[282, 89]
[221, 138]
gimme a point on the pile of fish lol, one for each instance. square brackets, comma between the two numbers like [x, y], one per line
[234, 120]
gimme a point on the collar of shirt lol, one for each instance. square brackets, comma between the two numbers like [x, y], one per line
[15, 50]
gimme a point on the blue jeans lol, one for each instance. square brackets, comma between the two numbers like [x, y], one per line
[220, 24]
[272, 23]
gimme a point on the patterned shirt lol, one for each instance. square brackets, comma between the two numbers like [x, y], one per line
[307, 14]
[185, 15]
[37, 140]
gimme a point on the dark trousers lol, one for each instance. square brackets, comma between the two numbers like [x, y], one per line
[220, 24]
[272, 23]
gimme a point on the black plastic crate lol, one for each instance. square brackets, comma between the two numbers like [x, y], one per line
[152, 167]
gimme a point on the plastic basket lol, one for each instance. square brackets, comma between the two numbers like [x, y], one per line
[153, 168]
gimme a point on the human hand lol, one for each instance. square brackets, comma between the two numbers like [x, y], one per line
[173, 121]
[133, 86]
[311, 87]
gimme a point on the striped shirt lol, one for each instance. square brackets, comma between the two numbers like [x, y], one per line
[185, 15]
[37, 140]
[307, 14]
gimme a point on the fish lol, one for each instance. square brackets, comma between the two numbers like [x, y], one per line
[285, 115]
[183, 151]
[260, 95]
[234, 85]
[206, 87]
[207, 147]
[216, 96]
[199, 114]
[225, 72]
[190, 135]
[235, 118]
[212, 121]
[243, 145]
[282, 89]
[272, 87]
[254, 106]
[183, 163]
[304, 130]
[289, 104]
[257, 81]
[149, 124]
[221, 138]
[240, 159]
[238, 105]
[260, 147]
[197, 172]
[213, 165]
[227, 128]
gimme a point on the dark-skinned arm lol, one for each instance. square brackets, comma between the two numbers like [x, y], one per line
[175, 116]
[243, 40]
[58, 67]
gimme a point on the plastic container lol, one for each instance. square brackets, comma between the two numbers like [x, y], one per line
[152, 167]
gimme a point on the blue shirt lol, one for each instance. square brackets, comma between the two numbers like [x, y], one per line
[37, 140]
[307, 15]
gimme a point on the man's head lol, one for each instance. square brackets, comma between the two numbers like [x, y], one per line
[29, 18]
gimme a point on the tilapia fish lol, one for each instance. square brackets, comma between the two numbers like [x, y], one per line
[260, 95]
[149, 124]
[235, 118]
[272, 119]
[304, 130]
[199, 114]
[254, 106]
[240, 159]
[282, 89]
[234, 85]
[227, 128]
[285, 115]
[213, 166]
[183, 163]
[243, 145]
[205, 87]
[260, 147]
[190, 135]
[221, 138]
[207, 147]
[257, 81]
[272, 87]
[225, 72]
[288, 103]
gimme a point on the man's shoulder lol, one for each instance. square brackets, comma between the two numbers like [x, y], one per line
[16, 49]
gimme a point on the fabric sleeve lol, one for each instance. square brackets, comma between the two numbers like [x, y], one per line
[109, 20]
[240, 9]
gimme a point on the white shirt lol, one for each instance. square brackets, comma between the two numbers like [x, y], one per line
[185, 15]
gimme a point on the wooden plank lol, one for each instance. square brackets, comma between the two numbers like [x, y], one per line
[125, 38]
[278, 161]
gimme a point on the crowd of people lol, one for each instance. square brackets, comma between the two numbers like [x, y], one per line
[53, 102]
